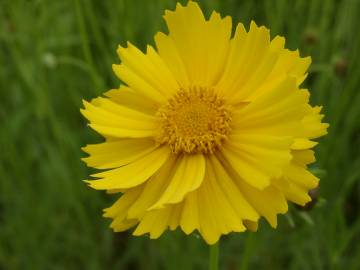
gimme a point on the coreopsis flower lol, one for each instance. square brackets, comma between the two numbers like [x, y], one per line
[209, 131]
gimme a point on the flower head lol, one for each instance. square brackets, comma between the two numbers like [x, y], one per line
[210, 132]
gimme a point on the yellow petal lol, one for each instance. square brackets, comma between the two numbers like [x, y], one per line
[138, 84]
[202, 45]
[132, 174]
[117, 153]
[123, 225]
[120, 207]
[169, 53]
[114, 191]
[243, 209]
[224, 209]
[251, 225]
[116, 133]
[155, 186]
[291, 64]
[107, 105]
[268, 202]
[257, 78]
[190, 213]
[119, 210]
[277, 112]
[122, 132]
[216, 216]
[292, 191]
[271, 153]
[291, 182]
[154, 222]
[247, 168]
[122, 118]
[129, 98]
[301, 143]
[313, 128]
[301, 176]
[234, 60]
[254, 61]
[209, 228]
[303, 157]
[118, 121]
[175, 217]
[188, 177]
[150, 68]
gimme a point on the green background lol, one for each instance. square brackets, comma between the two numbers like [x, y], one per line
[55, 53]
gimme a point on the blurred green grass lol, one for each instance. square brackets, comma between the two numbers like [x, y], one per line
[55, 53]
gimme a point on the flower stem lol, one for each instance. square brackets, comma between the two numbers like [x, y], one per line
[214, 257]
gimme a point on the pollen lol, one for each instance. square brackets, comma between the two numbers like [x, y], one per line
[194, 121]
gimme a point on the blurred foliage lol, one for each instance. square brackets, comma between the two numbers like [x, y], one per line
[55, 53]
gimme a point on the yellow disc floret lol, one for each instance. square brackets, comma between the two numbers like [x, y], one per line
[195, 120]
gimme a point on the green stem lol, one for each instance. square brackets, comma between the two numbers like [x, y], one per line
[247, 252]
[214, 257]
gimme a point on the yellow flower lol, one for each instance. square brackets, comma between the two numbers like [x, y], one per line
[210, 133]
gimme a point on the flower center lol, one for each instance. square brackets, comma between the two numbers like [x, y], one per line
[194, 121]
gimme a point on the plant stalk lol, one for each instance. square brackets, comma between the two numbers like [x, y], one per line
[214, 256]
